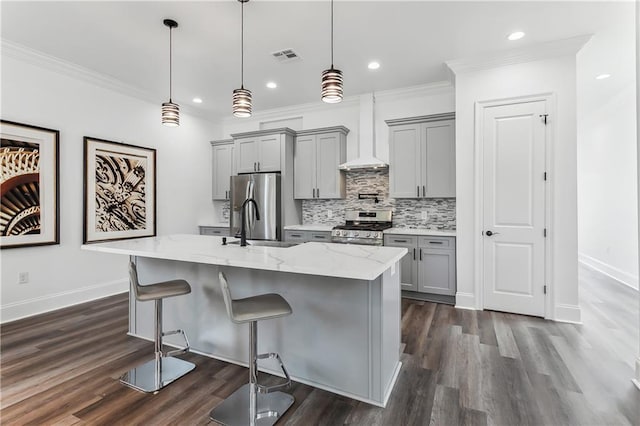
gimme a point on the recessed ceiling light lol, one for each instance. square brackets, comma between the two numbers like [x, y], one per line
[603, 76]
[373, 65]
[515, 36]
[272, 85]
[197, 100]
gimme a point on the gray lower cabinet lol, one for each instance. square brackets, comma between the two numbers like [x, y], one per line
[307, 236]
[408, 264]
[430, 265]
[214, 230]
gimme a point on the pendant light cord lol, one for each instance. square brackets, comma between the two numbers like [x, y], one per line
[331, 33]
[242, 45]
[170, 63]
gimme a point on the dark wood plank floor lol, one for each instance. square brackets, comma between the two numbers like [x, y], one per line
[459, 368]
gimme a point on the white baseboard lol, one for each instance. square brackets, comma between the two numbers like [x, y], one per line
[51, 302]
[636, 381]
[466, 301]
[617, 274]
[568, 313]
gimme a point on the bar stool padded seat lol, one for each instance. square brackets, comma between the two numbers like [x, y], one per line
[162, 290]
[257, 308]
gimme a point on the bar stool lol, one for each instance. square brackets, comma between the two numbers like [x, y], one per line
[253, 403]
[164, 368]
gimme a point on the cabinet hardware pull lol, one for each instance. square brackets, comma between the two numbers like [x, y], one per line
[318, 236]
[399, 241]
[435, 242]
[258, 166]
[317, 192]
[420, 254]
[296, 235]
[418, 190]
[414, 254]
[314, 193]
[254, 167]
[424, 191]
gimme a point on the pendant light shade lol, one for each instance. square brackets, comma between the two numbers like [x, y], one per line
[170, 110]
[242, 97]
[242, 102]
[332, 78]
[332, 85]
[170, 114]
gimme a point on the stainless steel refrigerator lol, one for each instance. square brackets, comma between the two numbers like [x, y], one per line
[264, 188]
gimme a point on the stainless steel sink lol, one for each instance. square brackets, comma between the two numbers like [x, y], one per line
[263, 243]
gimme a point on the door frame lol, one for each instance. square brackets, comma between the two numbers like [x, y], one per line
[550, 129]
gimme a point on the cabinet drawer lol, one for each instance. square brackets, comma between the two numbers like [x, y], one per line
[300, 236]
[390, 240]
[320, 236]
[211, 230]
[438, 242]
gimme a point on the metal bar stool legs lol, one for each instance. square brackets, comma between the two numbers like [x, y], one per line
[164, 368]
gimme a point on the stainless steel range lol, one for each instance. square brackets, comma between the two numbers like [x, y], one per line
[362, 227]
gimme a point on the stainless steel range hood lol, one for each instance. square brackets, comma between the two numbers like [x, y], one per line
[366, 158]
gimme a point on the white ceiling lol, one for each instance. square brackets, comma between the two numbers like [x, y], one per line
[411, 40]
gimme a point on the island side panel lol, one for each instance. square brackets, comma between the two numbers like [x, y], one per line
[391, 328]
[325, 342]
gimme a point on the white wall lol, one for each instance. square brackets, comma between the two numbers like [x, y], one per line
[62, 275]
[557, 76]
[607, 187]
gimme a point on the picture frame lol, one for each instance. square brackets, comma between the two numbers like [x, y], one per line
[29, 185]
[119, 191]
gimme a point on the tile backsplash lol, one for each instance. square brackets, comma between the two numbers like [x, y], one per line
[441, 212]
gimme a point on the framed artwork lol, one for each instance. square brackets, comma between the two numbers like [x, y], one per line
[119, 191]
[29, 185]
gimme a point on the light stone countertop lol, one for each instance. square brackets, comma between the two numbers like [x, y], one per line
[323, 259]
[420, 231]
[215, 225]
[320, 228]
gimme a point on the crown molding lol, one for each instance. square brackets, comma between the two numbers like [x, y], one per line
[69, 69]
[351, 101]
[551, 49]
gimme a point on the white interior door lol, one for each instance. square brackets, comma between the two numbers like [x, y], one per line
[514, 207]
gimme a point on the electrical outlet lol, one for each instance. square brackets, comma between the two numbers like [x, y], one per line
[425, 215]
[23, 278]
[329, 214]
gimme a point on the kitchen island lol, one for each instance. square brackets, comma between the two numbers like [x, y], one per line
[343, 335]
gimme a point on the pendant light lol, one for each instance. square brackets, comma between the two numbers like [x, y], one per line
[332, 78]
[242, 96]
[170, 110]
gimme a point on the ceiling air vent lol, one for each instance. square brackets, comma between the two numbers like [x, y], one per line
[286, 55]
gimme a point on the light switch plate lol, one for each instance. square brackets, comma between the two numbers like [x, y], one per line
[425, 215]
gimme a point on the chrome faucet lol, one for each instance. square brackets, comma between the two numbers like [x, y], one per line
[243, 215]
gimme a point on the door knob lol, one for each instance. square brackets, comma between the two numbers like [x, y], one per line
[490, 233]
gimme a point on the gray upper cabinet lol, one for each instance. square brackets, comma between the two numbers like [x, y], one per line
[317, 155]
[222, 168]
[258, 153]
[422, 157]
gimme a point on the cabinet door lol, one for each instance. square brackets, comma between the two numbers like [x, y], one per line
[328, 157]
[439, 152]
[246, 155]
[269, 157]
[405, 161]
[304, 167]
[408, 264]
[437, 271]
[222, 169]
